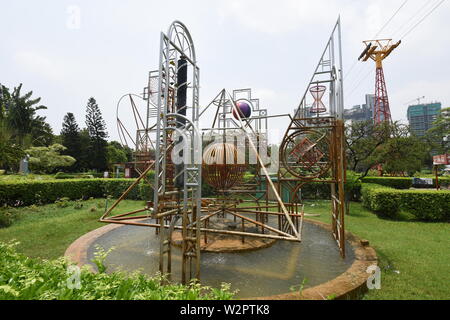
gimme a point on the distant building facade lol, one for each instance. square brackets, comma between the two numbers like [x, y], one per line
[361, 112]
[421, 117]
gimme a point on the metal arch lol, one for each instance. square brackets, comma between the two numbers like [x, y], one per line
[139, 127]
[186, 35]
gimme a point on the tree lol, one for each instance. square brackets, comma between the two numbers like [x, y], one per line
[84, 159]
[48, 159]
[41, 133]
[128, 151]
[402, 154]
[10, 151]
[438, 136]
[96, 127]
[115, 154]
[20, 114]
[71, 139]
[362, 140]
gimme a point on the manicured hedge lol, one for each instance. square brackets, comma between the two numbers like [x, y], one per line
[429, 205]
[403, 182]
[393, 182]
[22, 193]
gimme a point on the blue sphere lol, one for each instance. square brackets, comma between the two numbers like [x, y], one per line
[245, 110]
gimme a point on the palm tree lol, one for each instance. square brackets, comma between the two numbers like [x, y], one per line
[20, 113]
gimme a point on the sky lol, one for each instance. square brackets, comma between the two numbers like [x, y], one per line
[68, 51]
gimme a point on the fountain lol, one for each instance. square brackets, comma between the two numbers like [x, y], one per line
[237, 234]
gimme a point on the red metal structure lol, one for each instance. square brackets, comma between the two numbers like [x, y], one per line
[378, 50]
[381, 107]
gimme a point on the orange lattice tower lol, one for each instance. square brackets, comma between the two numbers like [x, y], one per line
[378, 50]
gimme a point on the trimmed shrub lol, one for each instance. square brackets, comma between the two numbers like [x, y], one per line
[404, 182]
[393, 182]
[63, 175]
[380, 199]
[428, 205]
[24, 193]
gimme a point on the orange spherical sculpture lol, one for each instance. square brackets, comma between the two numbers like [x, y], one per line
[220, 167]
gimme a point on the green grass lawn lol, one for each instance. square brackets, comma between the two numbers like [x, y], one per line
[414, 256]
[47, 231]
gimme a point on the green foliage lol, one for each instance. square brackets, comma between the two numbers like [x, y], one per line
[363, 138]
[317, 190]
[28, 192]
[115, 154]
[393, 182]
[440, 129]
[63, 175]
[381, 199]
[6, 218]
[78, 204]
[62, 203]
[403, 182]
[47, 159]
[71, 139]
[399, 155]
[390, 145]
[298, 288]
[22, 278]
[100, 256]
[96, 127]
[10, 151]
[19, 111]
[429, 205]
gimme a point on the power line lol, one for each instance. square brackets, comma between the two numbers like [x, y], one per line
[390, 19]
[379, 31]
[359, 83]
[427, 3]
[423, 18]
[436, 5]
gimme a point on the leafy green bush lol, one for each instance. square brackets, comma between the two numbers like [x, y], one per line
[6, 218]
[27, 192]
[429, 205]
[380, 199]
[62, 203]
[24, 278]
[393, 182]
[63, 175]
[23, 192]
[404, 182]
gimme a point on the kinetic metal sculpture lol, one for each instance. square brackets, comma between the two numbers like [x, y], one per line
[313, 146]
[172, 121]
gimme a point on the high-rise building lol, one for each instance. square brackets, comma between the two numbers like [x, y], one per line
[421, 117]
[361, 112]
